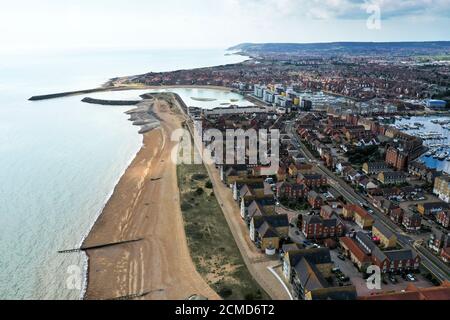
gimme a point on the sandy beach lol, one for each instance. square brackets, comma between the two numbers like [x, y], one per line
[145, 204]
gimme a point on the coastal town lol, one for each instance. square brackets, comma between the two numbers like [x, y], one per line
[358, 206]
[349, 194]
[352, 191]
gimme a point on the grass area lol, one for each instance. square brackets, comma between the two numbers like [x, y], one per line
[212, 246]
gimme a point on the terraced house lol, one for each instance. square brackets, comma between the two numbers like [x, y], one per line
[442, 188]
[266, 231]
[309, 272]
[374, 167]
[359, 215]
[391, 177]
[316, 227]
[396, 261]
[386, 237]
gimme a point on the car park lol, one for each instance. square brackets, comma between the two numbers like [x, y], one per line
[335, 270]
[392, 279]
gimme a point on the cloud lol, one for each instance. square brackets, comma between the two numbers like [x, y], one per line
[343, 9]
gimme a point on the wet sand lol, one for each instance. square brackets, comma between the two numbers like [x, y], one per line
[145, 204]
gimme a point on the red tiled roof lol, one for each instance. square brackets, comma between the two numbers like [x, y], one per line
[414, 293]
[355, 249]
[358, 210]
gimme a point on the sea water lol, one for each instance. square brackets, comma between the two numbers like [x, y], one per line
[60, 159]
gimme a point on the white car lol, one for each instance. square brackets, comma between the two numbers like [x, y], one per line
[410, 277]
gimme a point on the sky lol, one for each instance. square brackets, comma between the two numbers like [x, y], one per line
[29, 25]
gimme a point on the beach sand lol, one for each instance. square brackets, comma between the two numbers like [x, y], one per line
[145, 204]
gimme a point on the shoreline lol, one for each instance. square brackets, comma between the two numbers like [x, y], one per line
[97, 216]
[110, 271]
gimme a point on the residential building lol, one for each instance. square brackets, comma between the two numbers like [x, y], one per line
[445, 254]
[308, 270]
[315, 200]
[286, 190]
[251, 207]
[412, 221]
[359, 215]
[316, 227]
[443, 218]
[431, 208]
[391, 177]
[394, 261]
[439, 240]
[267, 231]
[412, 293]
[387, 238]
[229, 174]
[365, 242]
[442, 187]
[374, 167]
[396, 158]
[327, 212]
[355, 253]
[312, 180]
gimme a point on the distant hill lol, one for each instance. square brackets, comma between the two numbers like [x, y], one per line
[351, 48]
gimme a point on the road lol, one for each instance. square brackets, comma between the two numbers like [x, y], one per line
[432, 263]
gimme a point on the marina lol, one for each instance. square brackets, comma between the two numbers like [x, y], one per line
[435, 133]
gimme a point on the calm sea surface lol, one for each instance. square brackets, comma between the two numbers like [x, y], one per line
[60, 159]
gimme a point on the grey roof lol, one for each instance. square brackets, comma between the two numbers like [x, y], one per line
[315, 256]
[384, 230]
[364, 238]
[376, 252]
[275, 221]
[309, 276]
[394, 174]
[267, 231]
[400, 255]
[255, 209]
[338, 293]
[291, 247]
[330, 223]
[313, 220]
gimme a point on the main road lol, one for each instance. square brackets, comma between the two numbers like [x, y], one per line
[432, 263]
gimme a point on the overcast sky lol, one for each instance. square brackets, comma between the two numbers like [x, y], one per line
[27, 25]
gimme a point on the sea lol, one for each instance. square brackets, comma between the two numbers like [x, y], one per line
[61, 159]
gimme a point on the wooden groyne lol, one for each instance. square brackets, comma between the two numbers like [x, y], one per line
[111, 102]
[101, 246]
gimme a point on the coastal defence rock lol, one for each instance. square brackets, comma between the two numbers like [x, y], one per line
[144, 116]
[111, 102]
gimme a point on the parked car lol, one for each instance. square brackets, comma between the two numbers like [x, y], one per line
[342, 257]
[393, 279]
[335, 270]
[411, 278]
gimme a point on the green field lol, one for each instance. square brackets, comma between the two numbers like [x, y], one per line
[212, 246]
